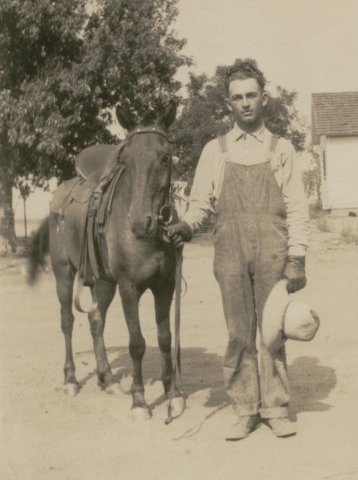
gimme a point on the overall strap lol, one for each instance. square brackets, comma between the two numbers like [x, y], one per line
[271, 153]
[271, 157]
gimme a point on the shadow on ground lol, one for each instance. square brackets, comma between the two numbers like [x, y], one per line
[310, 384]
[201, 370]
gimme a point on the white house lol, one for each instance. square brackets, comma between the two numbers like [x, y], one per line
[335, 132]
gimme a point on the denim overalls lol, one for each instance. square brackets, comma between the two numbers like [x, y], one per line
[250, 242]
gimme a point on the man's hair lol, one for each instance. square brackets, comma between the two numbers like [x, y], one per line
[242, 69]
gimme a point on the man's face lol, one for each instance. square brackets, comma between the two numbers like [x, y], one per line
[246, 100]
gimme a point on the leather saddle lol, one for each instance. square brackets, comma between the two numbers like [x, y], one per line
[94, 166]
[98, 170]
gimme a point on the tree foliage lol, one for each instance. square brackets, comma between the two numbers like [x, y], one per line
[282, 118]
[205, 115]
[62, 69]
[312, 178]
[40, 86]
[135, 53]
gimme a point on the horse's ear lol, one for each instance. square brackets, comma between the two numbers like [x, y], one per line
[124, 117]
[168, 115]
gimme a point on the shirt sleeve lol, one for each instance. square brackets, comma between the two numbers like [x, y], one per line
[295, 199]
[201, 195]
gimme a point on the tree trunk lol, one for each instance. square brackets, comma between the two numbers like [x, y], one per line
[7, 222]
[25, 217]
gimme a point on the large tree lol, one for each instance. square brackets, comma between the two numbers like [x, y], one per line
[205, 115]
[63, 69]
[135, 53]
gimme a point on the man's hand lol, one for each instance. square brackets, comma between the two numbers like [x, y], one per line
[179, 233]
[295, 273]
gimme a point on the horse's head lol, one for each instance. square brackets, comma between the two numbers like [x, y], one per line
[148, 159]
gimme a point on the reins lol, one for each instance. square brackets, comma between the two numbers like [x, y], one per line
[176, 380]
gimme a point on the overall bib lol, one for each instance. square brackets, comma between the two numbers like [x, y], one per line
[250, 242]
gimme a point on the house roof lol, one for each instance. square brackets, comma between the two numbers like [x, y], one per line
[334, 114]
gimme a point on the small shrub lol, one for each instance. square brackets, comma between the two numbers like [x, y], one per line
[320, 217]
[323, 224]
[349, 235]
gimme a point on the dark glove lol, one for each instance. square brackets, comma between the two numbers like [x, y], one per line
[295, 273]
[179, 233]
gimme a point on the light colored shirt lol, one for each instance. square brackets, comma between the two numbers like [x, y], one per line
[252, 149]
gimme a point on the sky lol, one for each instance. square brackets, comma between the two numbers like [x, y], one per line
[305, 45]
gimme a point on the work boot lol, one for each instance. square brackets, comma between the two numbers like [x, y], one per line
[242, 427]
[282, 427]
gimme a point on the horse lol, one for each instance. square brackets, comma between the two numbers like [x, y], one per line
[139, 258]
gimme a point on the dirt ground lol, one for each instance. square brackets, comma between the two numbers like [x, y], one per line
[46, 435]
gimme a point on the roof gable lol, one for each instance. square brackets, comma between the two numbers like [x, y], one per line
[334, 114]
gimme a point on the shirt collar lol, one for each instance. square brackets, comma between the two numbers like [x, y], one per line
[258, 134]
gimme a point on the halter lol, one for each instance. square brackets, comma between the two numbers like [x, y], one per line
[157, 130]
[165, 215]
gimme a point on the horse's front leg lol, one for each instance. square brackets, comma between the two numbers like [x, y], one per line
[130, 296]
[163, 295]
[104, 292]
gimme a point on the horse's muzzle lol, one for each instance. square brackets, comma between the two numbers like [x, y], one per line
[145, 227]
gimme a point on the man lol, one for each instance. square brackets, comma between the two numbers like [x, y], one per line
[250, 179]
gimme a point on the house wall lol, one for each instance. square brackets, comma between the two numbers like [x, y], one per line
[339, 168]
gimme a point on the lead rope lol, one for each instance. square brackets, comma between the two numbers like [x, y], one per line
[176, 374]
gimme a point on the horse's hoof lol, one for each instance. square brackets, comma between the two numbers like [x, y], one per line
[177, 406]
[140, 413]
[113, 389]
[71, 389]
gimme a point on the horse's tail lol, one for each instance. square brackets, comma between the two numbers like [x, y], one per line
[38, 250]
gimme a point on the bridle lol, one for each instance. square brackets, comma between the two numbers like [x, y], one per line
[140, 130]
[165, 215]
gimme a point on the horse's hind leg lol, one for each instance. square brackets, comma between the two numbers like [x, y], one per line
[130, 299]
[64, 286]
[105, 292]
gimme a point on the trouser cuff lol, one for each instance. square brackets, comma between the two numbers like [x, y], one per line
[274, 412]
[245, 409]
